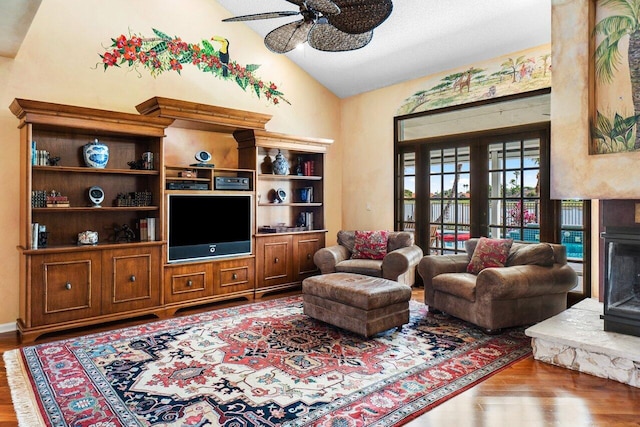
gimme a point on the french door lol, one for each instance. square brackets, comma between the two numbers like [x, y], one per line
[491, 184]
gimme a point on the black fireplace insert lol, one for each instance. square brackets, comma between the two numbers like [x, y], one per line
[622, 280]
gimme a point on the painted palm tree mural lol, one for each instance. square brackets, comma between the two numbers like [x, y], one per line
[618, 130]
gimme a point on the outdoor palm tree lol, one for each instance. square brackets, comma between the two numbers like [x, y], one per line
[608, 56]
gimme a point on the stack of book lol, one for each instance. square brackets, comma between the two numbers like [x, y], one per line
[147, 228]
[57, 201]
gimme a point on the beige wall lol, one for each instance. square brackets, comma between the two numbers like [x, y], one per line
[57, 63]
[575, 173]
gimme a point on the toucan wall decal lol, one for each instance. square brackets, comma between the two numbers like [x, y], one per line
[163, 53]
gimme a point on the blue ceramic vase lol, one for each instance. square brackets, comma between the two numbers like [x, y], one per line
[96, 154]
[280, 165]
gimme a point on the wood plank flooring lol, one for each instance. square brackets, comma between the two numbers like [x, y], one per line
[529, 393]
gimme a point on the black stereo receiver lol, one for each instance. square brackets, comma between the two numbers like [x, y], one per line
[231, 183]
[187, 186]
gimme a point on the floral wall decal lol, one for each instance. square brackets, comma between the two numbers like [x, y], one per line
[163, 53]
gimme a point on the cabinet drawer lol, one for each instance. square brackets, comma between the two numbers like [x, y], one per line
[130, 279]
[64, 287]
[188, 282]
[235, 275]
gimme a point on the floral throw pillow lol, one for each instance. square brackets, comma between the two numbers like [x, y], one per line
[370, 245]
[489, 253]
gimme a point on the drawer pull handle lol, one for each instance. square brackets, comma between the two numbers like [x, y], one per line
[132, 278]
[234, 276]
[308, 256]
[67, 286]
[189, 283]
[277, 260]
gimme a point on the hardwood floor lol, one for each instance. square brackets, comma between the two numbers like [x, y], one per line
[529, 393]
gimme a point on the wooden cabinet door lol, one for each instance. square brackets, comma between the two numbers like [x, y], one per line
[305, 246]
[275, 255]
[187, 282]
[130, 279]
[235, 276]
[64, 287]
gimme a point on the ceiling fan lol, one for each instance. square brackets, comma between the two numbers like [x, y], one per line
[330, 26]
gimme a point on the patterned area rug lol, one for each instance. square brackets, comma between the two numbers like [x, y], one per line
[262, 364]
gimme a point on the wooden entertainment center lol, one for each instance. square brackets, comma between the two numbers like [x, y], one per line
[64, 284]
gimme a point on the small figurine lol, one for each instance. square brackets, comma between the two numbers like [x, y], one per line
[124, 233]
[53, 161]
[137, 164]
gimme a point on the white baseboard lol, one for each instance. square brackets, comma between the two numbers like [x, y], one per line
[8, 327]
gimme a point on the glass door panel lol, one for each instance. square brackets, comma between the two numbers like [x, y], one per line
[407, 205]
[573, 233]
[514, 187]
[449, 186]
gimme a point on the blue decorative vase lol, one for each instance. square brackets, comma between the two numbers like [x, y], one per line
[96, 154]
[280, 165]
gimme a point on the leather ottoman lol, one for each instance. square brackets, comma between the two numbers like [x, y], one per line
[362, 304]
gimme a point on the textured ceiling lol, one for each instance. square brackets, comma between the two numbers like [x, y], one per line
[421, 37]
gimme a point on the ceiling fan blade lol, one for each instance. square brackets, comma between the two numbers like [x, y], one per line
[326, 7]
[287, 37]
[256, 16]
[328, 38]
[360, 16]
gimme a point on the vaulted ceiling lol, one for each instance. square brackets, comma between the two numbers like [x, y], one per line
[421, 37]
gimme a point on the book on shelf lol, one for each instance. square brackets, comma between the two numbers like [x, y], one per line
[147, 229]
[35, 229]
[39, 157]
[308, 168]
[308, 220]
[305, 194]
[57, 201]
[151, 229]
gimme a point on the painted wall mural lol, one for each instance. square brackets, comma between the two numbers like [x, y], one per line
[614, 128]
[523, 71]
[163, 53]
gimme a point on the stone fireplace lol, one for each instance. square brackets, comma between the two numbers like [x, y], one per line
[622, 280]
[601, 336]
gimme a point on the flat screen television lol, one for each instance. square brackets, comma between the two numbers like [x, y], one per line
[203, 226]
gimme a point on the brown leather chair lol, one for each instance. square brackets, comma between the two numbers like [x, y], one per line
[532, 286]
[398, 265]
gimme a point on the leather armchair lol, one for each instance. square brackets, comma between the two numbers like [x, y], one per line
[532, 286]
[399, 264]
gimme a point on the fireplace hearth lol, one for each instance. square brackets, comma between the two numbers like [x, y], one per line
[622, 280]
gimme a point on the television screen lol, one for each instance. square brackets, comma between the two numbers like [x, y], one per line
[208, 225]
